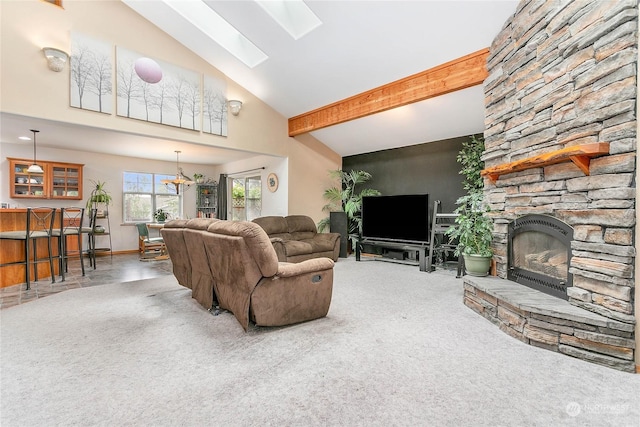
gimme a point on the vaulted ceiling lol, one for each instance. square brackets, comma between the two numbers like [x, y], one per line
[358, 46]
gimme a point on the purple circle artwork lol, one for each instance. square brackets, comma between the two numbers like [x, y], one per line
[148, 70]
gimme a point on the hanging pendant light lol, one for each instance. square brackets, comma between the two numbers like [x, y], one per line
[34, 168]
[180, 179]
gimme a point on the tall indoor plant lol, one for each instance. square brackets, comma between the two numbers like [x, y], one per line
[474, 228]
[347, 199]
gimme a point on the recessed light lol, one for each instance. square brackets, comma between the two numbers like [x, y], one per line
[24, 138]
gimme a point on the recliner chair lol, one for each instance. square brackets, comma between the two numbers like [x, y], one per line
[245, 275]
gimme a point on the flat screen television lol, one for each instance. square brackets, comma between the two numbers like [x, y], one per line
[402, 218]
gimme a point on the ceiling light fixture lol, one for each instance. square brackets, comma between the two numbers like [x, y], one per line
[34, 168]
[293, 15]
[180, 179]
[235, 106]
[56, 58]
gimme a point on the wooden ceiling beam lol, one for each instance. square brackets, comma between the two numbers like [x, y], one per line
[461, 73]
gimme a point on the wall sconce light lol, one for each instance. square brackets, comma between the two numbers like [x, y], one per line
[235, 106]
[56, 58]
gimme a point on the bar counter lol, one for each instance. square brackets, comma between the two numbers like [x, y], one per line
[13, 250]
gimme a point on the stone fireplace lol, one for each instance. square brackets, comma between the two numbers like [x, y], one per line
[562, 85]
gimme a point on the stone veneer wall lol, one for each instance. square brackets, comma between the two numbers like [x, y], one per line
[563, 73]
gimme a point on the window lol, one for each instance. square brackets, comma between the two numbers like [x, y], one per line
[246, 194]
[144, 193]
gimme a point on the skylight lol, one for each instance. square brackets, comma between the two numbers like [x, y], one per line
[292, 15]
[219, 30]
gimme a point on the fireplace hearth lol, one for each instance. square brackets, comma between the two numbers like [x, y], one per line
[539, 253]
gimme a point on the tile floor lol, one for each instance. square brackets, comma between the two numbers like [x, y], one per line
[109, 269]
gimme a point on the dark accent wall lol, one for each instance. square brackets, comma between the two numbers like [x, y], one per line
[425, 168]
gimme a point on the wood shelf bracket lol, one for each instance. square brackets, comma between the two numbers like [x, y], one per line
[580, 155]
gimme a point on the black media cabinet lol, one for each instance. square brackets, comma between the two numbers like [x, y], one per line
[397, 250]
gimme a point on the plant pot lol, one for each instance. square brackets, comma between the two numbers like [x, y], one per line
[477, 265]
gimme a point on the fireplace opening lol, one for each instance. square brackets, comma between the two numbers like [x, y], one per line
[539, 254]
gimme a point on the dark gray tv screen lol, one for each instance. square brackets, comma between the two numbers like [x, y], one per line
[403, 218]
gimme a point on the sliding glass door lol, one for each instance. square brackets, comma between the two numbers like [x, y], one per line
[246, 196]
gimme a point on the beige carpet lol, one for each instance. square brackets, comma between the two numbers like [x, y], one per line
[398, 348]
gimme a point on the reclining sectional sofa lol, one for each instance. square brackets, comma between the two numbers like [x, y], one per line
[296, 238]
[235, 264]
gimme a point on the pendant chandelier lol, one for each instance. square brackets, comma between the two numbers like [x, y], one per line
[34, 168]
[180, 179]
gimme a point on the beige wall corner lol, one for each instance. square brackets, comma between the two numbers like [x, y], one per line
[309, 164]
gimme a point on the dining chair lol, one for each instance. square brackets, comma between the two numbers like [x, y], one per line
[149, 245]
[38, 226]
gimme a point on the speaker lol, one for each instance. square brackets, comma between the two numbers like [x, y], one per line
[338, 224]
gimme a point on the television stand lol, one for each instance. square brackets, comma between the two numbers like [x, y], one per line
[421, 248]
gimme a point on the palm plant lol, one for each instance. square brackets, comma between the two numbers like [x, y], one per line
[347, 199]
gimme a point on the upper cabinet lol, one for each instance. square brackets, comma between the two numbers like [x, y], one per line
[58, 181]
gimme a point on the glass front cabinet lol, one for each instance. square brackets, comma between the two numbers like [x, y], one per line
[58, 180]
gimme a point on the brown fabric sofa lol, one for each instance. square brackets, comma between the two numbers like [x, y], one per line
[296, 238]
[235, 264]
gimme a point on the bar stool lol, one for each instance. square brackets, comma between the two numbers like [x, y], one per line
[91, 238]
[70, 225]
[39, 225]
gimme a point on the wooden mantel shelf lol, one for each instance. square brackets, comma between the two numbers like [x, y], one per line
[580, 155]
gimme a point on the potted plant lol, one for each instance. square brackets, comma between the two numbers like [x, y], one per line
[198, 178]
[346, 199]
[98, 195]
[474, 231]
[474, 228]
[160, 215]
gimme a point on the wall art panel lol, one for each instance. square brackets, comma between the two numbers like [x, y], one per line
[91, 67]
[214, 106]
[157, 91]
